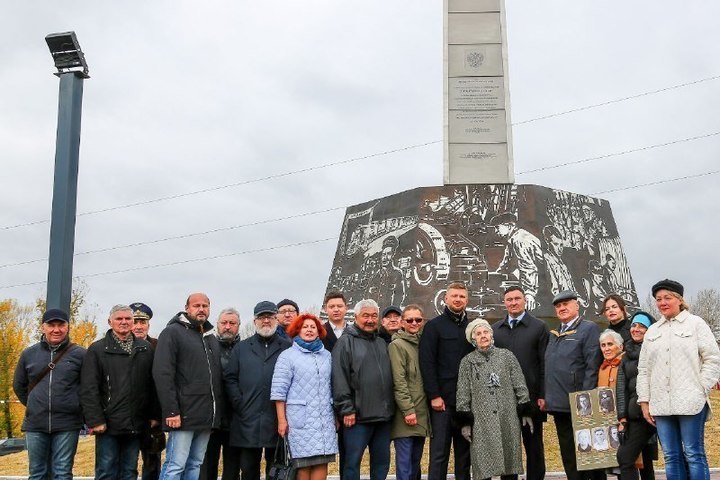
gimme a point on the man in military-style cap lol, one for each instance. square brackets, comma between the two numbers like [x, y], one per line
[152, 442]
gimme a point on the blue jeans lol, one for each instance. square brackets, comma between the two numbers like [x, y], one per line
[682, 439]
[184, 454]
[375, 436]
[408, 453]
[116, 457]
[53, 450]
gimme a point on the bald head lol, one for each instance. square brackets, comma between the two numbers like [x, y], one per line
[197, 306]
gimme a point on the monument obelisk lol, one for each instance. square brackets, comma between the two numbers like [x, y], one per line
[480, 227]
[477, 128]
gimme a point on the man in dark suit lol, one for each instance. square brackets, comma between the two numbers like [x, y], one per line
[335, 306]
[527, 337]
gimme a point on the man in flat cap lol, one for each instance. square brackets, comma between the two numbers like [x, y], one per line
[287, 311]
[48, 375]
[572, 361]
[390, 323]
[248, 378]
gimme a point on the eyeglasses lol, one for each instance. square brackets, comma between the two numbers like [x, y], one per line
[291, 311]
[266, 316]
[413, 320]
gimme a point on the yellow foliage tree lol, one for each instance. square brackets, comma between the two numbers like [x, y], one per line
[16, 328]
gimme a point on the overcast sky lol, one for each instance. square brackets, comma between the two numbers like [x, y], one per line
[186, 96]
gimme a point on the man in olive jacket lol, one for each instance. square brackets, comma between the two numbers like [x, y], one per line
[363, 393]
[188, 378]
[118, 396]
[411, 423]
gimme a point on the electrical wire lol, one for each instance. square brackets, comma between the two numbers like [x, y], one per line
[182, 262]
[387, 152]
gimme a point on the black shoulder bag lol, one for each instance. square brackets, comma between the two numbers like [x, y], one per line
[281, 468]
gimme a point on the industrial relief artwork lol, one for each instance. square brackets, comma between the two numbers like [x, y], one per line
[406, 248]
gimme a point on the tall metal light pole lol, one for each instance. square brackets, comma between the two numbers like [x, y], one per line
[72, 70]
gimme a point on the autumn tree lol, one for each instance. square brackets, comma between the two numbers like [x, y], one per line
[16, 328]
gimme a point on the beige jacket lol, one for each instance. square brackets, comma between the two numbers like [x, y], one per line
[679, 364]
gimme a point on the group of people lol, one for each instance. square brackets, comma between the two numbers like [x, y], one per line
[336, 389]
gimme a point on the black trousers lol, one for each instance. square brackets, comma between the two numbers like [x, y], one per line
[566, 439]
[637, 434]
[250, 462]
[220, 440]
[445, 433]
[534, 449]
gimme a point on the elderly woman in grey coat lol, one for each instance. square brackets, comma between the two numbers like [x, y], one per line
[491, 398]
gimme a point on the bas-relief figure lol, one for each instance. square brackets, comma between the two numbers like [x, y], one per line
[407, 247]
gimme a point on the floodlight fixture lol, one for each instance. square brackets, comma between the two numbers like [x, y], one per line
[67, 54]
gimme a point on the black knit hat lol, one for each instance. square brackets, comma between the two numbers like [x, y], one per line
[670, 285]
[287, 301]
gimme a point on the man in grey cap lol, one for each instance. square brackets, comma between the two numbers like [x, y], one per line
[248, 378]
[48, 375]
[572, 361]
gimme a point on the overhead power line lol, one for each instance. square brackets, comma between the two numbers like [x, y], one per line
[180, 237]
[658, 182]
[293, 172]
[310, 242]
[181, 262]
[232, 185]
[617, 100]
[624, 152]
[305, 214]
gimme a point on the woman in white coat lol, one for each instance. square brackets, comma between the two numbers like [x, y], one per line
[679, 364]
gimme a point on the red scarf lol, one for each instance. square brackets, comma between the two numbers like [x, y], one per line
[611, 363]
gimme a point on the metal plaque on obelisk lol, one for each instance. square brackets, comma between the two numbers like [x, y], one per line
[478, 139]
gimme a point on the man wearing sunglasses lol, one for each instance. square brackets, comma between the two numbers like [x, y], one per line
[411, 423]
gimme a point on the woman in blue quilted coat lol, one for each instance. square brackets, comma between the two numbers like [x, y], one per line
[301, 388]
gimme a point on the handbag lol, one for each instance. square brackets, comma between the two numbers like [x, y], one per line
[281, 468]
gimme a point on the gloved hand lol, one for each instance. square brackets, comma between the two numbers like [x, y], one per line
[466, 432]
[527, 421]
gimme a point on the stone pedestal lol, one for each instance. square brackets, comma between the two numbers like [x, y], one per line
[406, 248]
